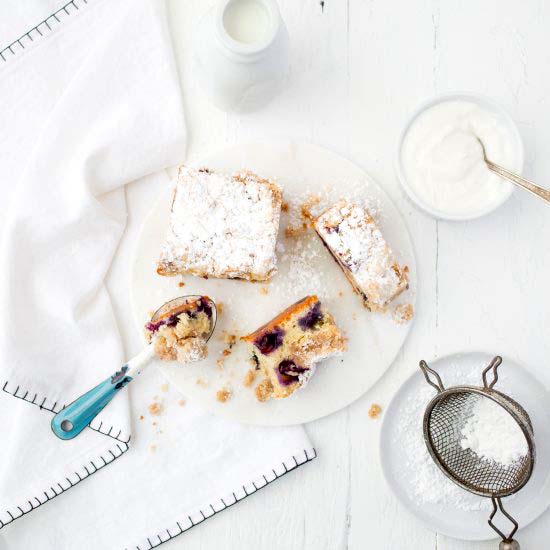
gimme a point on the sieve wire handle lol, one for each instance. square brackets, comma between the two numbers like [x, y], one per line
[438, 384]
[493, 365]
[508, 542]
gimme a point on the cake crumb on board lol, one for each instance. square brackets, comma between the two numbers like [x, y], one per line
[249, 378]
[223, 395]
[264, 390]
[402, 313]
[374, 411]
[164, 387]
[181, 402]
[264, 290]
[200, 382]
[229, 338]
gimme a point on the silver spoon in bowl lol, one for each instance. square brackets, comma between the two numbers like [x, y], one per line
[70, 421]
[514, 178]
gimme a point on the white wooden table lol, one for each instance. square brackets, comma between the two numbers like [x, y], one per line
[358, 68]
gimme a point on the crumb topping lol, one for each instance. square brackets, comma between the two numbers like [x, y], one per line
[264, 390]
[249, 378]
[155, 409]
[222, 226]
[402, 313]
[223, 395]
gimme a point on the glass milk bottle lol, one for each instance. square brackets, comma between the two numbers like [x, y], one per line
[241, 53]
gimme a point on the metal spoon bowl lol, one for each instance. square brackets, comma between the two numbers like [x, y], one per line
[540, 192]
[70, 421]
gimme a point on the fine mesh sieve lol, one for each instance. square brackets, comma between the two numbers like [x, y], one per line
[446, 415]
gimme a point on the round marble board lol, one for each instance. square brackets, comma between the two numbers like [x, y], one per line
[304, 267]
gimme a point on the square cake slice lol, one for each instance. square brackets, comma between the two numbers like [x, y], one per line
[359, 248]
[287, 348]
[222, 226]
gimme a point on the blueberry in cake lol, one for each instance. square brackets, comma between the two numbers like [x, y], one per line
[287, 348]
[181, 334]
[222, 226]
[358, 246]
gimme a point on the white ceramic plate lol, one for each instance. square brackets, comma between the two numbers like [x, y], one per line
[374, 339]
[409, 476]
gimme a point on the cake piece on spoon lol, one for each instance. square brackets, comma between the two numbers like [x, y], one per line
[181, 333]
[359, 248]
[287, 348]
[222, 226]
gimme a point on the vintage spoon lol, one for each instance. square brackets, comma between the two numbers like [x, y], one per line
[514, 178]
[70, 421]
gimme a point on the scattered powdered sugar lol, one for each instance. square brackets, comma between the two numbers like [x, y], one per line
[428, 484]
[303, 273]
[492, 433]
[300, 249]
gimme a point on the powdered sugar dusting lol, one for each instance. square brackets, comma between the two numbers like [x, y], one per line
[429, 485]
[492, 433]
[222, 226]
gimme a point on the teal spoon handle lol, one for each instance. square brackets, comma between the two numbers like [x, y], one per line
[69, 422]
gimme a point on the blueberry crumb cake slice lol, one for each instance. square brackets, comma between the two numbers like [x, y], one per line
[359, 248]
[222, 226]
[181, 333]
[287, 348]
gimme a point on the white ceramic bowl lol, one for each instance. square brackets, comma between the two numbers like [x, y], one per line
[483, 102]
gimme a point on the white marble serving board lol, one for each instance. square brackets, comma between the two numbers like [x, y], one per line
[374, 339]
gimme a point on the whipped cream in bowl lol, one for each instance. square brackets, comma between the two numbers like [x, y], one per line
[440, 161]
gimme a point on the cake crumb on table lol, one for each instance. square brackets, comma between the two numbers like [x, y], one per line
[155, 409]
[219, 308]
[374, 411]
[219, 363]
[141, 417]
[402, 313]
[226, 352]
[264, 290]
[249, 378]
[181, 402]
[264, 390]
[223, 395]
[181, 284]
[200, 382]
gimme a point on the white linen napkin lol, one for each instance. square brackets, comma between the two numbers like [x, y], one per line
[90, 102]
